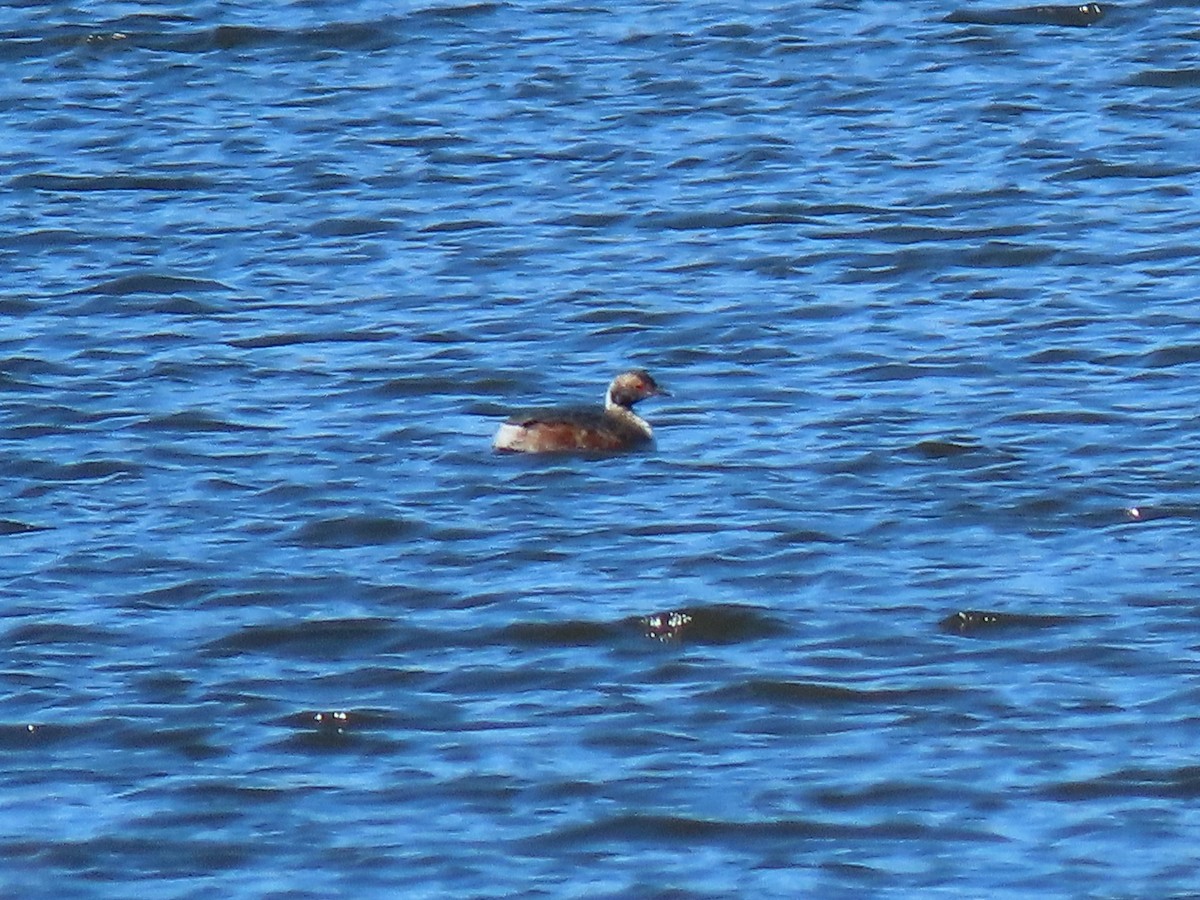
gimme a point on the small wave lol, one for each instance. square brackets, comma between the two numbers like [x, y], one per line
[313, 639]
[154, 283]
[716, 624]
[1142, 514]
[41, 238]
[48, 181]
[292, 338]
[1177, 784]
[337, 730]
[194, 422]
[1064, 417]
[945, 448]
[560, 634]
[349, 227]
[1167, 78]
[45, 633]
[824, 694]
[174, 596]
[356, 531]
[1092, 169]
[455, 225]
[336, 720]
[1072, 16]
[1175, 355]
[90, 470]
[972, 622]
[633, 827]
[367, 36]
[16, 736]
[10, 526]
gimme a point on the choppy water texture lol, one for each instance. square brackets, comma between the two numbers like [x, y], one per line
[276, 622]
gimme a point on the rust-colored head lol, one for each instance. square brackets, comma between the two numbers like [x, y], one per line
[630, 387]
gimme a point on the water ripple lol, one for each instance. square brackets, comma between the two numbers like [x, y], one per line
[919, 515]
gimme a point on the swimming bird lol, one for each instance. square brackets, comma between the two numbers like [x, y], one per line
[614, 428]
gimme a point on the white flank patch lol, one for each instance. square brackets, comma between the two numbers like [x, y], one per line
[508, 437]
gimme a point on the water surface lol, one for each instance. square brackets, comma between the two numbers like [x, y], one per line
[277, 621]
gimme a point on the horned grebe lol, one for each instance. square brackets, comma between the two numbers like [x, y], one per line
[614, 428]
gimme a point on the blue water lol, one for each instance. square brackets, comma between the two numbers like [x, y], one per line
[277, 623]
